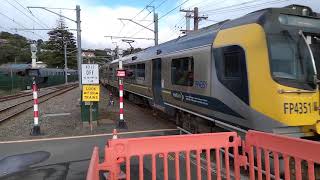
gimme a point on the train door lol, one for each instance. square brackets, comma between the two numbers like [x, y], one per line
[156, 82]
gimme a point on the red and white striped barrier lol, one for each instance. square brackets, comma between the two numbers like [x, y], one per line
[36, 127]
[121, 99]
[121, 124]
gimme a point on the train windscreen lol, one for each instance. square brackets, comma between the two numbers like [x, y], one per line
[290, 59]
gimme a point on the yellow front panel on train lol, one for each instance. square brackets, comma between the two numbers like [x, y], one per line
[292, 109]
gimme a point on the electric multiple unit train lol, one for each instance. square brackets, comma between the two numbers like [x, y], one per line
[260, 71]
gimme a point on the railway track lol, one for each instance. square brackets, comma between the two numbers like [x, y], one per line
[15, 109]
[24, 94]
[15, 96]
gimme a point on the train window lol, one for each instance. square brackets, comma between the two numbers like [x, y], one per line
[231, 68]
[140, 71]
[182, 71]
[232, 65]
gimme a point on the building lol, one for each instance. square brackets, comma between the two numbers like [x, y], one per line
[3, 42]
[88, 54]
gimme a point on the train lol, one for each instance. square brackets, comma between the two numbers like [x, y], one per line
[260, 71]
[14, 77]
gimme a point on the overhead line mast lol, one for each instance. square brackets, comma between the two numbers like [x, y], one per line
[196, 19]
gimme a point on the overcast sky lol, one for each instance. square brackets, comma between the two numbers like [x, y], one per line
[100, 17]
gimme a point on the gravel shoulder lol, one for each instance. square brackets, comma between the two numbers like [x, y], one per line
[66, 119]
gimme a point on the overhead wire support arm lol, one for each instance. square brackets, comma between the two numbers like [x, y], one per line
[124, 19]
[47, 9]
[38, 29]
[124, 37]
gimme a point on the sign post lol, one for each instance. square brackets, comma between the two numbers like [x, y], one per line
[90, 91]
[121, 73]
[34, 72]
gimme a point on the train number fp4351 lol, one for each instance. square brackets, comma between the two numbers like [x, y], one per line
[297, 108]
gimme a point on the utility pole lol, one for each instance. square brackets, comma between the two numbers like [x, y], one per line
[65, 63]
[188, 17]
[156, 31]
[79, 55]
[197, 18]
[155, 23]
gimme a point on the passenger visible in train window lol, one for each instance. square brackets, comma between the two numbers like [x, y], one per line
[183, 78]
[190, 78]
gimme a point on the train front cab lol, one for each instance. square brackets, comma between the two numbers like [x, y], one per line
[282, 89]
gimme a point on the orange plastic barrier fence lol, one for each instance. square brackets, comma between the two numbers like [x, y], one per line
[93, 171]
[291, 152]
[120, 151]
[270, 156]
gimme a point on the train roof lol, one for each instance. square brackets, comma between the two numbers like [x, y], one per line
[202, 37]
[206, 35]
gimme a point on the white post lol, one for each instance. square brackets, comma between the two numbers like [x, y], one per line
[33, 48]
[65, 64]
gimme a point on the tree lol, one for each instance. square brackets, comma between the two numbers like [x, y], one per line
[14, 48]
[131, 51]
[53, 49]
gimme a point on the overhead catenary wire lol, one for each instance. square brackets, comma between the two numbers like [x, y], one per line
[155, 8]
[173, 9]
[246, 7]
[124, 24]
[160, 4]
[143, 9]
[22, 6]
[24, 13]
[162, 16]
[5, 28]
[19, 24]
[241, 6]
[233, 5]
[203, 3]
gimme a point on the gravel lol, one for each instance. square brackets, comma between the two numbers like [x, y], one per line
[137, 118]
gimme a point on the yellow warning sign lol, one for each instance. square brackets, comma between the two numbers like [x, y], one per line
[91, 93]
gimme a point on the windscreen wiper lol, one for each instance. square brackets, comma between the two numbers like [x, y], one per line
[316, 80]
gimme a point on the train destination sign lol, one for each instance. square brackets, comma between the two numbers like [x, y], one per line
[91, 93]
[90, 74]
[121, 73]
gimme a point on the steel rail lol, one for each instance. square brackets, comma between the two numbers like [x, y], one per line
[24, 94]
[42, 98]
